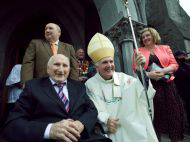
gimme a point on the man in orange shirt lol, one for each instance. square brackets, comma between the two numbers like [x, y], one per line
[39, 51]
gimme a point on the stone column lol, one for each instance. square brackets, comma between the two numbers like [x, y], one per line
[121, 36]
[127, 50]
[113, 35]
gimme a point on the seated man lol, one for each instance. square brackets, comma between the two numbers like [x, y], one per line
[119, 98]
[53, 109]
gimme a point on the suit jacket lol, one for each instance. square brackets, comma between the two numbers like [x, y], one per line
[40, 105]
[164, 54]
[36, 57]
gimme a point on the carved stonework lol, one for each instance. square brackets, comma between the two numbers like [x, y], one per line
[122, 30]
[121, 36]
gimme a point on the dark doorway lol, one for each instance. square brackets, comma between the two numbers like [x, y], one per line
[32, 27]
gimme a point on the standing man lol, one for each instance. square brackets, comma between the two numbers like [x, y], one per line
[83, 64]
[119, 98]
[39, 51]
[182, 80]
[53, 109]
[80, 54]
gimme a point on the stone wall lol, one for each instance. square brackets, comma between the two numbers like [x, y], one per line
[171, 21]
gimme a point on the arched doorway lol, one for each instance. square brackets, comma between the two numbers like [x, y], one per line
[28, 29]
[79, 20]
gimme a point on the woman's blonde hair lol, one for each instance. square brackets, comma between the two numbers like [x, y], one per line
[155, 36]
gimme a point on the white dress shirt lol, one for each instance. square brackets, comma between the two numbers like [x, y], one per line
[65, 91]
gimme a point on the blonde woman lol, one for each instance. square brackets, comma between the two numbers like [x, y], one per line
[160, 66]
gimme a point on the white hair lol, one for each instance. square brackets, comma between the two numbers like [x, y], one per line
[52, 58]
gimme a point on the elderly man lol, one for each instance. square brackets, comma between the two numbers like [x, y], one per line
[39, 51]
[119, 98]
[53, 109]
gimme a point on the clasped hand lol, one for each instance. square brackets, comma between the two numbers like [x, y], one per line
[156, 75]
[66, 130]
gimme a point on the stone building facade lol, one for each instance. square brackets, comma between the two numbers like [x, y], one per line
[79, 20]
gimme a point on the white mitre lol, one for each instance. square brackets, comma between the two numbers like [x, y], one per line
[100, 47]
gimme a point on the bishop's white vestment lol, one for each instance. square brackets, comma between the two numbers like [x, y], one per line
[123, 97]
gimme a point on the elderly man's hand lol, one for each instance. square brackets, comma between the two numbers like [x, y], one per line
[140, 60]
[64, 130]
[79, 125]
[112, 124]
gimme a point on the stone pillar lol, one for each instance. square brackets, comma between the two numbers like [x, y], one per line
[121, 36]
[113, 36]
[127, 50]
[118, 66]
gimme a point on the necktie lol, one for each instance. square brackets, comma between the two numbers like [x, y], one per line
[63, 97]
[54, 48]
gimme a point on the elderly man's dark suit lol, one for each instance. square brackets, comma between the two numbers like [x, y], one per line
[36, 57]
[39, 105]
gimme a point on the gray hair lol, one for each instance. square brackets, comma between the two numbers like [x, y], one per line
[97, 63]
[58, 28]
[100, 61]
[52, 58]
